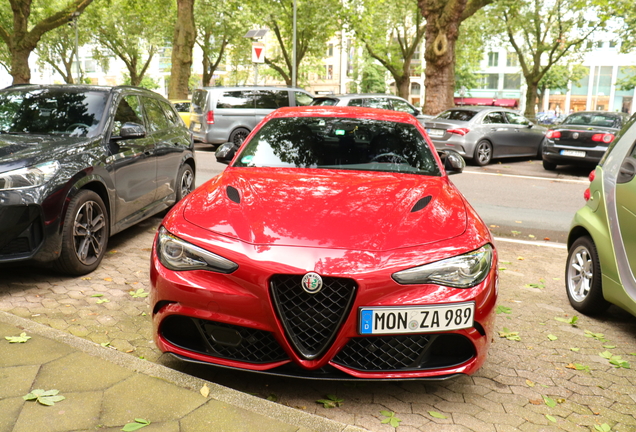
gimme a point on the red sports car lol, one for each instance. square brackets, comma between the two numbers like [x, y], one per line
[333, 246]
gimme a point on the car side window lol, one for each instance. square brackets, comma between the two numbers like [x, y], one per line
[356, 102]
[170, 114]
[516, 119]
[494, 118]
[156, 117]
[128, 111]
[382, 103]
[302, 99]
[400, 105]
[235, 99]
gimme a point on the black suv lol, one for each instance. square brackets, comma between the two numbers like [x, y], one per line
[80, 163]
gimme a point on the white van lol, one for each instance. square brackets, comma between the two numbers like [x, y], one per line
[222, 114]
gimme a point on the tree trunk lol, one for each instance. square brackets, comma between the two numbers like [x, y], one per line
[20, 69]
[403, 85]
[531, 101]
[182, 46]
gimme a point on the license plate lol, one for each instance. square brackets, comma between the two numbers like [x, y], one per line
[436, 132]
[416, 319]
[574, 153]
[196, 127]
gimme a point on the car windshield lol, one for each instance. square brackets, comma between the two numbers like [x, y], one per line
[56, 111]
[324, 102]
[593, 119]
[339, 143]
[462, 115]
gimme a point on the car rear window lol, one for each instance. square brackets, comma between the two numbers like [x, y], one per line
[199, 97]
[462, 115]
[593, 119]
[339, 143]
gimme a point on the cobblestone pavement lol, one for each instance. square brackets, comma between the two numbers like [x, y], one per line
[553, 378]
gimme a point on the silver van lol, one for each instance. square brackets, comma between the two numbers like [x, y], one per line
[222, 114]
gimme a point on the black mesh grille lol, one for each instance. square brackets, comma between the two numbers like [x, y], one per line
[16, 246]
[405, 352]
[311, 321]
[222, 340]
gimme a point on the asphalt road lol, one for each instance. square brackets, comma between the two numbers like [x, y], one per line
[516, 197]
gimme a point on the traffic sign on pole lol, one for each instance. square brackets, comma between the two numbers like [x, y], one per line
[258, 52]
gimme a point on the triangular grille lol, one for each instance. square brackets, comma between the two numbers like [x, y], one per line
[311, 321]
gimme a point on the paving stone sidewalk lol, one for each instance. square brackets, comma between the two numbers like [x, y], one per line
[555, 377]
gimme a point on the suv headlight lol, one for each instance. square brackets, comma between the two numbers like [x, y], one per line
[180, 255]
[28, 177]
[463, 271]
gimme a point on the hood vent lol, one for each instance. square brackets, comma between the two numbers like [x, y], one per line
[421, 203]
[233, 194]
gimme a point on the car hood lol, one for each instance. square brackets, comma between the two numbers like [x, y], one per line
[371, 211]
[18, 151]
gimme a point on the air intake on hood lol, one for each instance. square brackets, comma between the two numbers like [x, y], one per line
[421, 203]
[233, 194]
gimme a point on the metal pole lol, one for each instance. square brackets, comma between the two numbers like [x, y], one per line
[294, 49]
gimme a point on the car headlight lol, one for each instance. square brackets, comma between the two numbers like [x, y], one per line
[28, 177]
[463, 271]
[179, 255]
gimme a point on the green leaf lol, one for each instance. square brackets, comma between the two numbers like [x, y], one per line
[50, 400]
[272, 397]
[579, 366]
[97, 295]
[549, 417]
[549, 401]
[598, 336]
[606, 355]
[139, 293]
[332, 401]
[18, 339]
[100, 301]
[509, 335]
[503, 309]
[437, 415]
[552, 337]
[44, 397]
[572, 321]
[139, 423]
[390, 418]
[609, 346]
[603, 428]
[575, 349]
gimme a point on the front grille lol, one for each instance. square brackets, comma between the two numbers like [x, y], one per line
[405, 352]
[222, 340]
[19, 245]
[311, 321]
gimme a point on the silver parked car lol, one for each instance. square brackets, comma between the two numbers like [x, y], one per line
[485, 133]
[372, 100]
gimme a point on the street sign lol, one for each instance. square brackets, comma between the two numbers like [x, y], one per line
[258, 52]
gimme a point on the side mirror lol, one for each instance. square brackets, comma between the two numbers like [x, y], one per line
[225, 153]
[453, 162]
[132, 130]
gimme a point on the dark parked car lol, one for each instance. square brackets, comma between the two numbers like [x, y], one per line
[582, 138]
[80, 163]
[485, 133]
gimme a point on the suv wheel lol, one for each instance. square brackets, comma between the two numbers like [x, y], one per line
[583, 277]
[84, 235]
[550, 166]
[238, 136]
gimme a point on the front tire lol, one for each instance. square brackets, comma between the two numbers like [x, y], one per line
[583, 281]
[483, 153]
[549, 166]
[84, 235]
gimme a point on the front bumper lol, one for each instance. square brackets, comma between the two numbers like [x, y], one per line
[232, 321]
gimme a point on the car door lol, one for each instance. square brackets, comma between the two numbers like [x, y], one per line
[133, 162]
[527, 139]
[495, 128]
[626, 205]
[169, 146]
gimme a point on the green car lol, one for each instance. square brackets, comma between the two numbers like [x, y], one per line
[602, 241]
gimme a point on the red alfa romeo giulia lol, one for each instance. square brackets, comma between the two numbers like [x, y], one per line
[333, 246]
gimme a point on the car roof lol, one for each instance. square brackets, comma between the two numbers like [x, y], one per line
[344, 111]
[597, 112]
[357, 96]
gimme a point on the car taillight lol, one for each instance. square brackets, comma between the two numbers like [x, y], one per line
[459, 131]
[587, 194]
[210, 117]
[606, 138]
[553, 134]
[592, 176]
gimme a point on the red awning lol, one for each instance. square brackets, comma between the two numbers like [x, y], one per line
[510, 103]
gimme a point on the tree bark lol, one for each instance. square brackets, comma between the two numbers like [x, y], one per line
[182, 46]
[443, 18]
